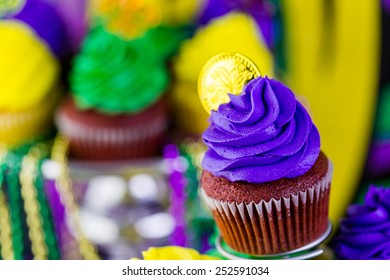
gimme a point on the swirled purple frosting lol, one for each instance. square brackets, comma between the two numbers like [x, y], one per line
[262, 135]
[47, 23]
[365, 231]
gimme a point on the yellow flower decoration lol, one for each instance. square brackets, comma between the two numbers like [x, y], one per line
[129, 18]
[174, 253]
[132, 18]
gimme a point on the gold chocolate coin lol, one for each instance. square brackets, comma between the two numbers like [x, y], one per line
[222, 74]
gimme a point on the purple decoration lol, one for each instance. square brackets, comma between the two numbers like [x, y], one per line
[386, 5]
[58, 212]
[365, 231]
[178, 183]
[258, 9]
[73, 13]
[216, 8]
[262, 135]
[47, 23]
[379, 158]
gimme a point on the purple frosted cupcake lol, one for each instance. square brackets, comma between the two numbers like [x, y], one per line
[365, 231]
[265, 179]
[74, 14]
[47, 24]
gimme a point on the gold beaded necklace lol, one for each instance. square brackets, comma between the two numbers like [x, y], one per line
[7, 250]
[34, 220]
[65, 189]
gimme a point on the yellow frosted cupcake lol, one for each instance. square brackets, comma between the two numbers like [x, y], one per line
[28, 70]
[29, 83]
[21, 126]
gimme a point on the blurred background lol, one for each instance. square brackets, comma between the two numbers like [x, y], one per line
[101, 124]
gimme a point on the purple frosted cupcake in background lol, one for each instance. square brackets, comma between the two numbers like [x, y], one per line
[74, 15]
[47, 23]
[365, 231]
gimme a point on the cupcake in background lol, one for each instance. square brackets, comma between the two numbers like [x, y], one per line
[364, 234]
[47, 24]
[233, 32]
[97, 136]
[264, 177]
[117, 109]
[31, 45]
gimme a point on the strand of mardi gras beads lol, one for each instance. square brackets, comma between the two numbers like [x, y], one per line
[21, 241]
[199, 222]
[15, 204]
[34, 220]
[46, 214]
[7, 251]
[65, 188]
[37, 155]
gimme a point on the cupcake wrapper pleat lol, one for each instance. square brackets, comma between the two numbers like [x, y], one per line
[275, 226]
[19, 127]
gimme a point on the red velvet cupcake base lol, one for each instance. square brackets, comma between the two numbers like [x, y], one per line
[100, 137]
[277, 225]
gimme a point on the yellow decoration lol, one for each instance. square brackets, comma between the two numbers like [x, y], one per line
[64, 186]
[29, 194]
[28, 70]
[333, 60]
[132, 18]
[128, 18]
[6, 246]
[224, 74]
[179, 11]
[174, 253]
[8, 7]
[19, 127]
[235, 32]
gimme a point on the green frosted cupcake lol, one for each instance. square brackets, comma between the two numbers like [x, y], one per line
[115, 79]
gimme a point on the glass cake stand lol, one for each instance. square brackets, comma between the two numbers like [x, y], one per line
[306, 252]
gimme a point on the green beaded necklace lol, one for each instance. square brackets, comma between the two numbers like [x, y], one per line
[24, 210]
[6, 248]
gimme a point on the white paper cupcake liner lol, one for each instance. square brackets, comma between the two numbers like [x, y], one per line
[275, 226]
[19, 127]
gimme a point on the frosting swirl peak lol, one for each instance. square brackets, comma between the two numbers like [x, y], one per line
[262, 135]
[115, 76]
